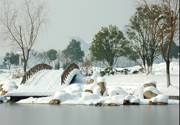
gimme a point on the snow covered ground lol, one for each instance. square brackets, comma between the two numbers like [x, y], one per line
[119, 86]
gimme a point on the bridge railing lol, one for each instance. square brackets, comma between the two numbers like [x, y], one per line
[67, 71]
[34, 70]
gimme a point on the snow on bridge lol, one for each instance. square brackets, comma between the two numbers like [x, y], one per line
[44, 83]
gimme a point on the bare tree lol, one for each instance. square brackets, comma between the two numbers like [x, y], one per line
[142, 33]
[168, 27]
[22, 24]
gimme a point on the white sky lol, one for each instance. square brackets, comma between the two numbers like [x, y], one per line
[80, 18]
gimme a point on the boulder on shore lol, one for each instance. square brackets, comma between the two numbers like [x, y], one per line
[150, 90]
[149, 94]
[159, 100]
[55, 102]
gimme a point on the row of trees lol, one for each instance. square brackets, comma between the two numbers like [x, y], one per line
[71, 54]
[11, 59]
[151, 31]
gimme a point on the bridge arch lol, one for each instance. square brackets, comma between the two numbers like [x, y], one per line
[34, 70]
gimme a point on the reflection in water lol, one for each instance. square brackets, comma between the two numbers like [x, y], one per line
[18, 114]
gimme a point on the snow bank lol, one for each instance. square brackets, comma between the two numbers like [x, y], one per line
[87, 98]
[63, 96]
[73, 88]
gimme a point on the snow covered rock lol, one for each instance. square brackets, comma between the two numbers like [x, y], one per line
[150, 91]
[58, 94]
[63, 96]
[131, 100]
[55, 102]
[73, 88]
[96, 90]
[102, 85]
[107, 101]
[2, 92]
[139, 92]
[89, 96]
[90, 81]
[160, 99]
[116, 91]
[9, 86]
[100, 79]
[89, 87]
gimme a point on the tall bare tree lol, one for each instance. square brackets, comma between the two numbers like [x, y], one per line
[21, 23]
[168, 28]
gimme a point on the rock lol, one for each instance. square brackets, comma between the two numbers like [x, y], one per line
[99, 104]
[159, 100]
[131, 100]
[150, 90]
[55, 102]
[102, 88]
[117, 91]
[112, 104]
[134, 101]
[61, 95]
[149, 94]
[149, 84]
[9, 86]
[88, 90]
[157, 103]
[2, 92]
[135, 72]
[90, 81]
[1, 87]
[102, 73]
[126, 102]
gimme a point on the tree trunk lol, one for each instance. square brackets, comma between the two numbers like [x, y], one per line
[168, 73]
[25, 66]
[144, 64]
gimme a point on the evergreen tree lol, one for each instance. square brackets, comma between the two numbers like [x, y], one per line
[52, 54]
[11, 59]
[73, 52]
[109, 44]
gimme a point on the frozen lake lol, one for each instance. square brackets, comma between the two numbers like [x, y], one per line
[18, 114]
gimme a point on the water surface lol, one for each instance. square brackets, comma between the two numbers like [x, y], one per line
[34, 114]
